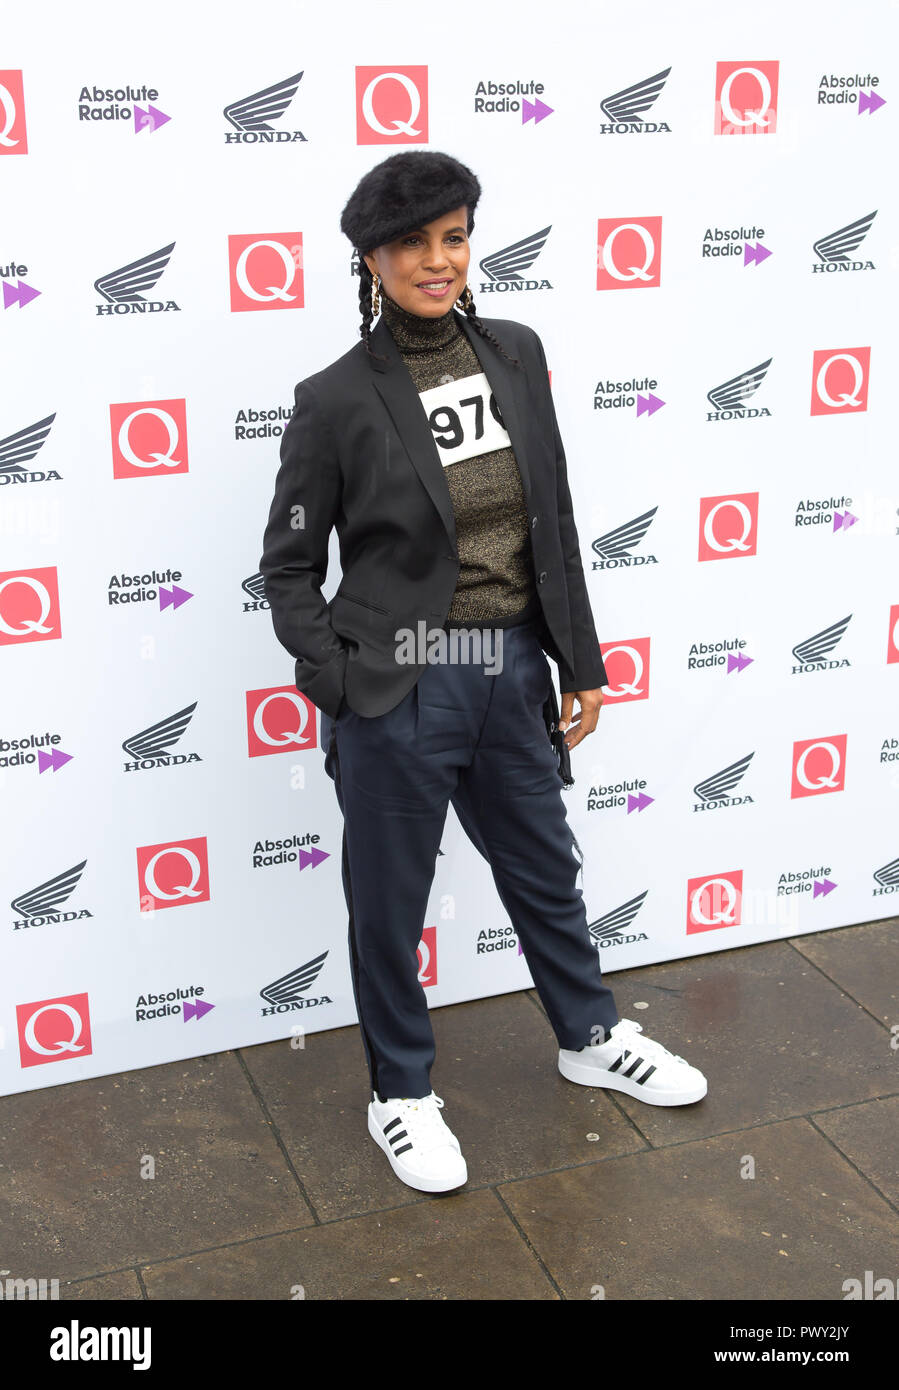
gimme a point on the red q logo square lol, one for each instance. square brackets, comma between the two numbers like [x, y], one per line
[893, 635]
[392, 106]
[427, 957]
[280, 720]
[173, 874]
[54, 1030]
[746, 98]
[728, 526]
[840, 381]
[266, 271]
[627, 667]
[629, 253]
[29, 606]
[819, 766]
[149, 438]
[714, 900]
[13, 136]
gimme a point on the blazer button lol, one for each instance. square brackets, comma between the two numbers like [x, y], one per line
[541, 576]
[533, 522]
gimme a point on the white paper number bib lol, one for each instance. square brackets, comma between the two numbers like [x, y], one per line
[464, 419]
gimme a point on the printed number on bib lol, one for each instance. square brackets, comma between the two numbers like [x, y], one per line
[464, 419]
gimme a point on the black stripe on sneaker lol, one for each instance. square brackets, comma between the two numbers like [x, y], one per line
[397, 1152]
[646, 1075]
[633, 1067]
[400, 1134]
[392, 1124]
[619, 1059]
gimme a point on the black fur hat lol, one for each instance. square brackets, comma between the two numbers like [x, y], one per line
[405, 191]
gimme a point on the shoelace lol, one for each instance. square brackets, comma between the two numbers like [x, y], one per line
[421, 1118]
[624, 1035]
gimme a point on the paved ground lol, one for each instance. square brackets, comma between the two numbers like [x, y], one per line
[267, 1180]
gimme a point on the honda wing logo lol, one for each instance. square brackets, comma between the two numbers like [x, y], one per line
[18, 449]
[44, 899]
[814, 650]
[253, 113]
[615, 545]
[732, 394]
[627, 107]
[607, 930]
[719, 786]
[124, 287]
[837, 247]
[153, 744]
[505, 269]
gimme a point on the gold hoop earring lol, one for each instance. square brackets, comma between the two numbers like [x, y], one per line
[375, 296]
[466, 301]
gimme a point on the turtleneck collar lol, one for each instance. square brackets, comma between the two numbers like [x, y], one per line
[413, 333]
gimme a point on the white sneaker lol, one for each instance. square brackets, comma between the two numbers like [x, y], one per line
[636, 1065]
[422, 1150]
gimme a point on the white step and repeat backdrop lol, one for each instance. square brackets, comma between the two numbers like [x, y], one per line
[693, 207]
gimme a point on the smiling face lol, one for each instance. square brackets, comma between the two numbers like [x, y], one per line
[426, 270]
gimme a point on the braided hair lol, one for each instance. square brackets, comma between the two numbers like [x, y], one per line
[366, 280]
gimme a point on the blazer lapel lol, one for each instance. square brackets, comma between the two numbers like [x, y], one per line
[394, 385]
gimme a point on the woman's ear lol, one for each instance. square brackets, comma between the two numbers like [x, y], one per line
[370, 262]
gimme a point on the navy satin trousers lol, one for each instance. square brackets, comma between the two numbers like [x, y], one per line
[478, 740]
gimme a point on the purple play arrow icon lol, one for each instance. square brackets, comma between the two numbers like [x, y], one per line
[648, 405]
[175, 597]
[310, 858]
[822, 888]
[755, 255]
[151, 119]
[739, 662]
[536, 109]
[196, 1008]
[844, 520]
[869, 103]
[638, 803]
[19, 293]
[54, 760]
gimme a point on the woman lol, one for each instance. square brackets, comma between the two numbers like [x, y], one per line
[433, 447]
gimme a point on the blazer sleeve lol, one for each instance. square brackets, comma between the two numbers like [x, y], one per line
[294, 562]
[589, 672]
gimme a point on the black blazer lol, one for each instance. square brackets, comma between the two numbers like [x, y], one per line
[358, 454]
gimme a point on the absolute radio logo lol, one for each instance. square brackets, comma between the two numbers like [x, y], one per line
[717, 652]
[53, 1030]
[29, 606]
[149, 438]
[175, 874]
[825, 511]
[391, 106]
[13, 135]
[812, 652]
[251, 117]
[616, 928]
[714, 901]
[608, 796]
[254, 587]
[122, 289]
[32, 749]
[746, 98]
[20, 293]
[816, 881]
[819, 766]
[728, 526]
[500, 98]
[735, 241]
[627, 666]
[629, 253]
[289, 850]
[261, 424]
[18, 449]
[265, 271]
[624, 395]
[279, 720]
[728, 398]
[715, 792]
[152, 747]
[840, 380]
[836, 251]
[614, 548]
[506, 270]
[122, 104]
[288, 994]
[626, 110]
[185, 1003]
[851, 89]
[146, 588]
[42, 906]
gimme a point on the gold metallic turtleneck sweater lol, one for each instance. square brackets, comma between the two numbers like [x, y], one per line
[496, 585]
